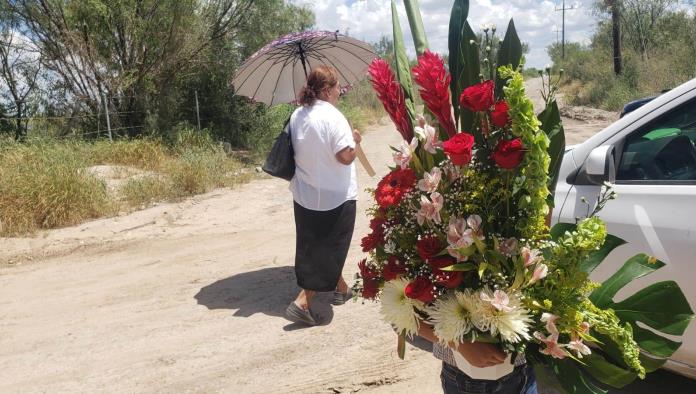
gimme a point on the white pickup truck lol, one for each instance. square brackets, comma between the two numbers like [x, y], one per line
[650, 156]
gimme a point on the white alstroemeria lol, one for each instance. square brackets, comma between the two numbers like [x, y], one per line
[430, 180]
[430, 209]
[512, 322]
[405, 152]
[390, 247]
[397, 309]
[451, 316]
[579, 347]
[428, 134]
[552, 348]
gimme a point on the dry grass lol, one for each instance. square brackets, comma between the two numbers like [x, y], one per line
[44, 184]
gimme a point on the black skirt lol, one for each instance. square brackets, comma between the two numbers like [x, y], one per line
[323, 238]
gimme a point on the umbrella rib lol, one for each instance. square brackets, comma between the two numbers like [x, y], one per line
[278, 79]
[336, 59]
[319, 58]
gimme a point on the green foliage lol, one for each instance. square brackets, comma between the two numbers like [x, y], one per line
[416, 24]
[664, 64]
[460, 11]
[509, 54]
[403, 67]
[552, 125]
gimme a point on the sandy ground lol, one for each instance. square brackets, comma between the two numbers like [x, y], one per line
[189, 297]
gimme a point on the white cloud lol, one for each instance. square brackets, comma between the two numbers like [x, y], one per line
[535, 20]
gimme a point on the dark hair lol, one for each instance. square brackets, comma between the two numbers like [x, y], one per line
[321, 78]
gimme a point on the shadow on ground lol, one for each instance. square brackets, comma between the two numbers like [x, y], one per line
[267, 291]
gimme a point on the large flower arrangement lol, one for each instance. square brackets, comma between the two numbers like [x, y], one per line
[459, 236]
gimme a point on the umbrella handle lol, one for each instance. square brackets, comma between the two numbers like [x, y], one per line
[363, 160]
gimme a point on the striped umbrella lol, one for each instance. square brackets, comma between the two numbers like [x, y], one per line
[276, 73]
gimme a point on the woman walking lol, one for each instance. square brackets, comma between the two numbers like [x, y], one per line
[324, 191]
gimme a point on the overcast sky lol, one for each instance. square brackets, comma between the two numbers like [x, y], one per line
[535, 20]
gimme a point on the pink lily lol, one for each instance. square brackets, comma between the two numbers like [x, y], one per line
[430, 210]
[430, 180]
[530, 256]
[552, 349]
[499, 301]
[428, 134]
[539, 273]
[550, 320]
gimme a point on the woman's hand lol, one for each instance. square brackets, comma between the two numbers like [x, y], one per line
[481, 354]
[356, 136]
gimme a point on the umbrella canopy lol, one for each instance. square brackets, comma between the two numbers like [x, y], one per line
[276, 73]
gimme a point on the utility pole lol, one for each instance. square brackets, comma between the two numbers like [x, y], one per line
[563, 10]
[616, 33]
[198, 114]
[106, 111]
[557, 30]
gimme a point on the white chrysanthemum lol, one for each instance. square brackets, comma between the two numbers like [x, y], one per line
[512, 322]
[451, 316]
[398, 309]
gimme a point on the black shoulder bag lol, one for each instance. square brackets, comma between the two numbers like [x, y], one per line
[280, 162]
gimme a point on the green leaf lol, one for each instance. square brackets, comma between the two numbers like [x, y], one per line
[468, 75]
[654, 344]
[510, 53]
[607, 372]
[416, 23]
[459, 267]
[403, 68]
[460, 11]
[636, 267]
[401, 345]
[596, 258]
[572, 378]
[560, 229]
[661, 306]
[552, 125]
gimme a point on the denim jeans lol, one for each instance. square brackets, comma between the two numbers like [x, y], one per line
[520, 381]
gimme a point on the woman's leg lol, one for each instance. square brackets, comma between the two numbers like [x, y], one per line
[304, 299]
[342, 286]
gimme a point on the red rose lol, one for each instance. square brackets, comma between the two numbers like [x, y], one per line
[499, 116]
[478, 97]
[371, 241]
[508, 154]
[366, 272]
[393, 268]
[391, 189]
[438, 262]
[377, 223]
[449, 279]
[428, 247]
[458, 148]
[370, 288]
[420, 289]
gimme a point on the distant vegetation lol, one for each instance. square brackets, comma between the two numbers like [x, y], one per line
[657, 47]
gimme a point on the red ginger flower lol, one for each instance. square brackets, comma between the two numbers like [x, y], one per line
[479, 97]
[391, 189]
[434, 80]
[391, 95]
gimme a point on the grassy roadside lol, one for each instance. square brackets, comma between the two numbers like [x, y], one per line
[49, 183]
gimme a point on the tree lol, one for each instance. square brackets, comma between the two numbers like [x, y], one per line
[19, 69]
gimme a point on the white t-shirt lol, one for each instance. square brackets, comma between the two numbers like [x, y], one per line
[321, 182]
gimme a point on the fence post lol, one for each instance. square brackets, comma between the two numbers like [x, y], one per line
[108, 123]
[198, 115]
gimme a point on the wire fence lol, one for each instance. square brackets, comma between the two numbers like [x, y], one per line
[107, 122]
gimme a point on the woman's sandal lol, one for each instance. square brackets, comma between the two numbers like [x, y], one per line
[341, 298]
[298, 315]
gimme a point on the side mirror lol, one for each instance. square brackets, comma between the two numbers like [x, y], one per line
[600, 166]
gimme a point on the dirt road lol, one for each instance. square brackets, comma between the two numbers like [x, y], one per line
[189, 297]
